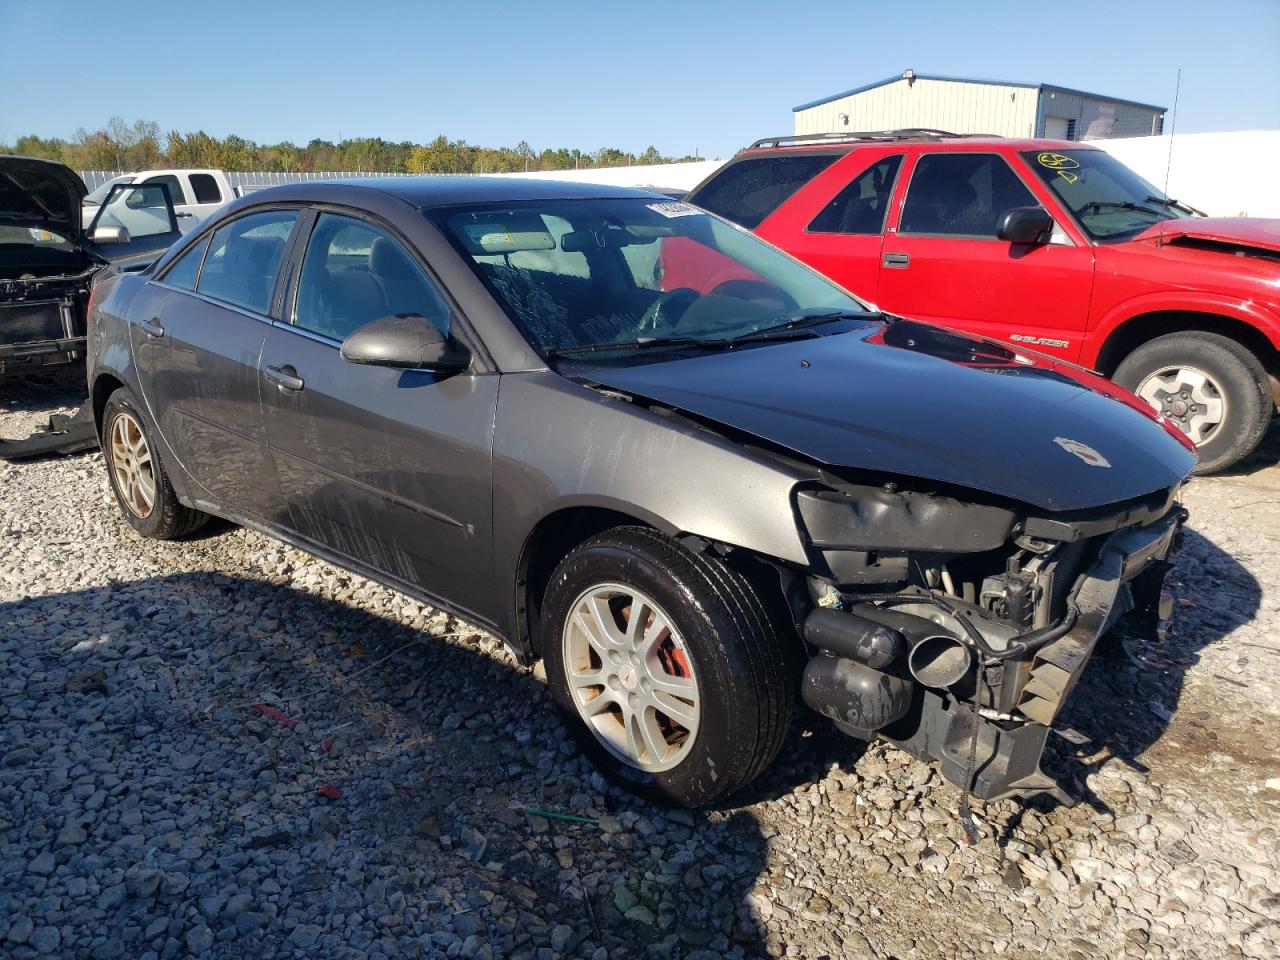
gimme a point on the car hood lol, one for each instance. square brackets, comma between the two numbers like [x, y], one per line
[42, 194]
[914, 400]
[1260, 233]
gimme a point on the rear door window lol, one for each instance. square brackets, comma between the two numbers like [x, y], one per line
[861, 207]
[205, 187]
[354, 273]
[961, 194]
[747, 191]
[185, 269]
[244, 258]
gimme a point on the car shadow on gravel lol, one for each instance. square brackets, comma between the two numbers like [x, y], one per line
[1264, 456]
[1130, 691]
[60, 386]
[403, 769]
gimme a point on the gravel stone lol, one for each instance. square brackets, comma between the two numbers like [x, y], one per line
[43, 865]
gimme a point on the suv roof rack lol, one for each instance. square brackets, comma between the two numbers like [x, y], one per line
[873, 136]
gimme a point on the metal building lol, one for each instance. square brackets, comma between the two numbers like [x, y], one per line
[967, 105]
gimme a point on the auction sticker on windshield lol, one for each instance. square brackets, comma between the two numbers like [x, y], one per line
[674, 208]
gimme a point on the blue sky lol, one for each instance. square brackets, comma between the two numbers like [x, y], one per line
[683, 76]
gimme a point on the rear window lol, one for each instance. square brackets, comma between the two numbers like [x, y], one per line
[748, 191]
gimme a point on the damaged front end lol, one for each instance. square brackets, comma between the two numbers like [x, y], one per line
[957, 630]
[42, 319]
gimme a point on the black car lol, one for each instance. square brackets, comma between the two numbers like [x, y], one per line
[699, 504]
[47, 262]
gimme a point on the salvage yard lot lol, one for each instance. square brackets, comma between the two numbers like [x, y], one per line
[226, 747]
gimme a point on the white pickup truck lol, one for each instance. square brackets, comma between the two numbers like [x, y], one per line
[195, 193]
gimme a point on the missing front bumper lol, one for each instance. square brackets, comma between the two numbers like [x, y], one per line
[1024, 694]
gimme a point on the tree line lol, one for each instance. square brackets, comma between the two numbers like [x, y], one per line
[141, 146]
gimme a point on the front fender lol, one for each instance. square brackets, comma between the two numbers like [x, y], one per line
[1246, 311]
[559, 444]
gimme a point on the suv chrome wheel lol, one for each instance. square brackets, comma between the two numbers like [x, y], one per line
[132, 466]
[1188, 397]
[631, 676]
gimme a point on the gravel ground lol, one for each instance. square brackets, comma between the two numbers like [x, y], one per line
[223, 747]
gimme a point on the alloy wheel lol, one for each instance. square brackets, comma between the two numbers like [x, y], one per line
[1188, 397]
[132, 466]
[631, 676]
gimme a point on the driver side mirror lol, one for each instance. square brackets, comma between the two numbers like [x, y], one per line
[1025, 225]
[112, 234]
[405, 341]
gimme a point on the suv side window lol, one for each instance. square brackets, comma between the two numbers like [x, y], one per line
[205, 188]
[961, 194]
[355, 273]
[244, 257]
[862, 206]
[174, 185]
[747, 191]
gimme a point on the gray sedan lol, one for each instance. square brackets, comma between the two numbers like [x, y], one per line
[699, 480]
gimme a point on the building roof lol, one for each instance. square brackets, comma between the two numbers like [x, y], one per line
[1053, 87]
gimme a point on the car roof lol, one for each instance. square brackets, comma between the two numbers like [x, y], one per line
[429, 190]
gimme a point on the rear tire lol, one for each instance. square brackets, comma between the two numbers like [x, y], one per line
[137, 475]
[739, 667]
[1183, 370]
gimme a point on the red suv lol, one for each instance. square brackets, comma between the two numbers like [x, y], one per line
[1049, 244]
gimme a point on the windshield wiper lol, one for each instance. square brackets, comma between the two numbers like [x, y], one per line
[783, 329]
[1120, 205]
[640, 343]
[1170, 202]
[798, 322]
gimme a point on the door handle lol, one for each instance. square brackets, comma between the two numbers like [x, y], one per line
[152, 328]
[899, 261]
[286, 378]
[182, 213]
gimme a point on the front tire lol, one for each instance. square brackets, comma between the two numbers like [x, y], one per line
[137, 476]
[1215, 390]
[667, 666]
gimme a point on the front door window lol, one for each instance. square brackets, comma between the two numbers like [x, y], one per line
[961, 195]
[355, 273]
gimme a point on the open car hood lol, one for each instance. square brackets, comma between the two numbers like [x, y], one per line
[908, 399]
[43, 194]
[1241, 231]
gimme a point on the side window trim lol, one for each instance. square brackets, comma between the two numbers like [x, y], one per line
[915, 169]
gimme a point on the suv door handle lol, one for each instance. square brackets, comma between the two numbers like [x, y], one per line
[286, 378]
[898, 261]
[152, 328]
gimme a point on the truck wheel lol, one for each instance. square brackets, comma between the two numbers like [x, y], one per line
[137, 476]
[667, 666]
[1210, 386]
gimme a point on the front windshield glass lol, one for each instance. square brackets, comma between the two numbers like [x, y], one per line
[96, 197]
[579, 275]
[1108, 200]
